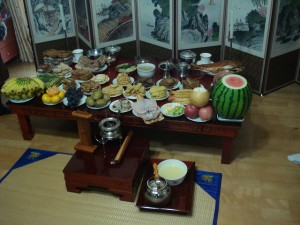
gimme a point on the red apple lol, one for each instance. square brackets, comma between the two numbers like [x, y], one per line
[206, 112]
[191, 111]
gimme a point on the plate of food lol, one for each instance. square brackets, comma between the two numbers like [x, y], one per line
[123, 82]
[113, 90]
[172, 109]
[124, 105]
[101, 78]
[98, 107]
[53, 103]
[125, 68]
[157, 93]
[68, 83]
[132, 91]
[81, 101]
[103, 68]
[169, 83]
[21, 100]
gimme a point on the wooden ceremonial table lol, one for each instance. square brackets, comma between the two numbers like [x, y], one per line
[226, 130]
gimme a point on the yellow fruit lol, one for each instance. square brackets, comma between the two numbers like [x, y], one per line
[46, 98]
[51, 91]
[61, 94]
[55, 99]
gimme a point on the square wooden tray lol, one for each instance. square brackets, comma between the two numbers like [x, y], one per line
[182, 194]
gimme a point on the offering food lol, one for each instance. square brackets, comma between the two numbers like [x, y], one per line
[169, 83]
[81, 74]
[136, 90]
[158, 92]
[97, 99]
[125, 68]
[91, 64]
[73, 96]
[50, 79]
[172, 109]
[146, 82]
[68, 83]
[180, 96]
[89, 86]
[124, 105]
[190, 83]
[199, 97]
[62, 69]
[53, 96]
[148, 110]
[113, 90]
[101, 78]
[123, 79]
[231, 65]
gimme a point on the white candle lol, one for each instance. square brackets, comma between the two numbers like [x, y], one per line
[231, 24]
[62, 16]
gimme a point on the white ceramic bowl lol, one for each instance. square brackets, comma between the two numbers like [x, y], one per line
[173, 170]
[145, 69]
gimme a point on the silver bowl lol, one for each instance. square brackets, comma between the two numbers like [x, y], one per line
[94, 53]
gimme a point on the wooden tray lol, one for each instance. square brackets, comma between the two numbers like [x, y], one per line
[183, 193]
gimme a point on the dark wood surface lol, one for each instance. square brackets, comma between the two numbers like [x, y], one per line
[86, 170]
[182, 194]
[35, 107]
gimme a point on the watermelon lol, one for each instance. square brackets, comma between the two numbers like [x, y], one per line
[232, 96]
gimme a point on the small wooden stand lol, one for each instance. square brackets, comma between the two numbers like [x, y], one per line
[91, 166]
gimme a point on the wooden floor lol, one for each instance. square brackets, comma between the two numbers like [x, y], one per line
[259, 187]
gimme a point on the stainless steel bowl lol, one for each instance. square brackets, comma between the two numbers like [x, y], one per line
[94, 53]
[188, 56]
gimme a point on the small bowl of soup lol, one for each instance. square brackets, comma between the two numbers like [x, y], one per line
[173, 170]
[146, 70]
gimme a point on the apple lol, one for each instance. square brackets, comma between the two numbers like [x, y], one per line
[206, 112]
[191, 111]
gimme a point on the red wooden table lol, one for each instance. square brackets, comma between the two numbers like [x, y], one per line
[226, 130]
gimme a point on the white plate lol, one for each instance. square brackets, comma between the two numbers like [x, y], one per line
[52, 103]
[104, 67]
[202, 63]
[94, 107]
[115, 81]
[21, 100]
[68, 75]
[60, 87]
[113, 96]
[173, 88]
[103, 82]
[111, 107]
[163, 109]
[229, 120]
[130, 96]
[81, 101]
[148, 95]
[197, 120]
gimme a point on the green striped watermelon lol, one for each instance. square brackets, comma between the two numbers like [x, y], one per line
[232, 96]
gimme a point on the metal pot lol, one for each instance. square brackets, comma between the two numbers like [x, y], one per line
[188, 56]
[109, 130]
[158, 192]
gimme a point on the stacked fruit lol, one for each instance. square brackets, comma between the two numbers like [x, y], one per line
[19, 88]
[74, 96]
[97, 99]
[53, 95]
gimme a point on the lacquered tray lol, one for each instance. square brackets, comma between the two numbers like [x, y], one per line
[182, 194]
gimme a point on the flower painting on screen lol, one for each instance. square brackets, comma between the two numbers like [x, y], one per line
[250, 25]
[200, 23]
[287, 36]
[114, 21]
[156, 22]
[47, 21]
[83, 21]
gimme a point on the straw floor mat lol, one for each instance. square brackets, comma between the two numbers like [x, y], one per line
[36, 194]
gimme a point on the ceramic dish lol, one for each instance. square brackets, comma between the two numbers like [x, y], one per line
[52, 103]
[229, 120]
[197, 120]
[148, 95]
[21, 100]
[115, 109]
[101, 107]
[115, 81]
[81, 101]
[166, 108]
[125, 68]
[102, 82]
[202, 63]
[103, 68]
[178, 85]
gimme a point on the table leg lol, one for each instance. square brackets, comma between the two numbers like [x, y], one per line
[25, 125]
[226, 150]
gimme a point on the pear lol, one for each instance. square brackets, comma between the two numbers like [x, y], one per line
[97, 94]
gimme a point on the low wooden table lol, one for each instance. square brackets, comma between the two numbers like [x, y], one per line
[86, 169]
[226, 130]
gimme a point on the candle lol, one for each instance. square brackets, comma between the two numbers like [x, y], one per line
[231, 24]
[62, 15]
